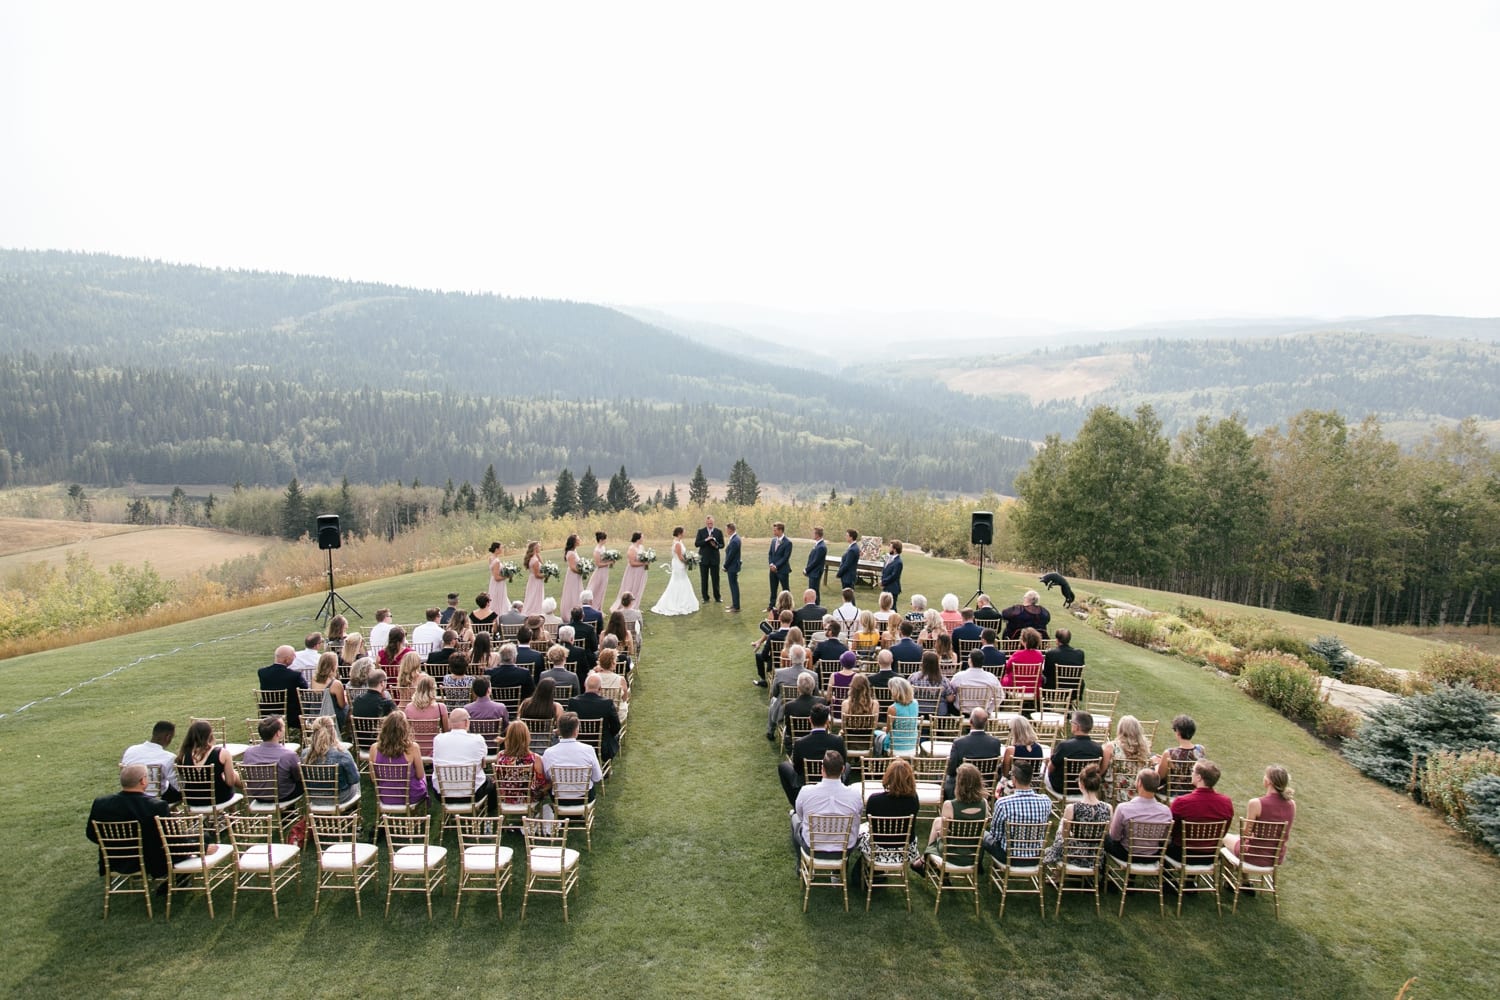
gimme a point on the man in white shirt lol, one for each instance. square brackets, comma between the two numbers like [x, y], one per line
[829, 797]
[974, 675]
[458, 747]
[306, 661]
[848, 612]
[568, 752]
[154, 751]
[427, 636]
[379, 632]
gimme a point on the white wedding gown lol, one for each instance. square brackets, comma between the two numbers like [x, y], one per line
[679, 598]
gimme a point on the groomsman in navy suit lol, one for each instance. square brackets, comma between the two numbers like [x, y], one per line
[890, 574]
[781, 561]
[816, 560]
[732, 567]
[849, 564]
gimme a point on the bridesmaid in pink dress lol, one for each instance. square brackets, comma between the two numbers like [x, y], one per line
[536, 591]
[498, 598]
[599, 582]
[633, 580]
[572, 581]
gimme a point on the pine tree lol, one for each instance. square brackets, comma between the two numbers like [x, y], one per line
[631, 499]
[466, 501]
[588, 493]
[209, 503]
[565, 495]
[744, 488]
[538, 497]
[446, 507]
[614, 495]
[698, 488]
[656, 500]
[294, 513]
[490, 490]
[671, 501]
[348, 522]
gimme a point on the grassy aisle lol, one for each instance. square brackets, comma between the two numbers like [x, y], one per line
[689, 888]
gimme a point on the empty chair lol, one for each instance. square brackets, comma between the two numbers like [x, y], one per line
[1101, 705]
[414, 864]
[929, 773]
[193, 859]
[944, 729]
[344, 861]
[552, 867]
[261, 863]
[484, 865]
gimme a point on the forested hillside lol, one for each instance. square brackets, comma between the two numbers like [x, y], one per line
[117, 368]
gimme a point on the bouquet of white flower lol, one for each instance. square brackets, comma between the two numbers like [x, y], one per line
[647, 556]
[550, 571]
[691, 561]
[508, 571]
[611, 555]
[585, 566]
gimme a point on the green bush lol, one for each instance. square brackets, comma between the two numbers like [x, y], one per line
[1335, 723]
[1451, 717]
[1446, 778]
[1462, 664]
[1136, 629]
[1484, 808]
[1333, 651]
[1371, 676]
[1283, 682]
[1276, 641]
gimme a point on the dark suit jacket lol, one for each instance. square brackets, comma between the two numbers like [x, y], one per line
[815, 559]
[994, 656]
[562, 677]
[586, 636]
[809, 618]
[513, 676]
[708, 554]
[976, 745]
[882, 679]
[532, 660]
[890, 577]
[1066, 655]
[595, 706]
[802, 705]
[906, 651]
[828, 649]
[732, 554]
[580, 662]
[812, 747]
[592, 615]
[780, 555]
[987, 618]
[849, 565]
[968, 630]
[143, 809]
[278, 678]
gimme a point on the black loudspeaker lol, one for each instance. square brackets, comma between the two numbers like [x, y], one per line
[328, 531]
[982, 528]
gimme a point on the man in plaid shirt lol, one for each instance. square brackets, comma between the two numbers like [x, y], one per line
[1022, 806]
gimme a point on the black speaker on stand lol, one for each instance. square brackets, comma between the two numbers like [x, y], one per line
[328, 540]
[982, 534]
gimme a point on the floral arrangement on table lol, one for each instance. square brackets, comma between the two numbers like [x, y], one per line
[647, 556]
[550, 571]
[585, 566]
[508, 570]
[611, 555]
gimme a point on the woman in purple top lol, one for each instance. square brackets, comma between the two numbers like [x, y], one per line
[840, 679]
[394, 745]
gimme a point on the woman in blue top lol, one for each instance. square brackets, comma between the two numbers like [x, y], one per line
[323, 748]
[903, 739]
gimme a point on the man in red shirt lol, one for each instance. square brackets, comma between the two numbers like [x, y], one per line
[1201, 805]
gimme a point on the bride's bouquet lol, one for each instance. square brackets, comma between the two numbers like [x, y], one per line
[550, 571]
[508, 571]
[690, 561]
[647, 556]
[585, 566]
[611, 555]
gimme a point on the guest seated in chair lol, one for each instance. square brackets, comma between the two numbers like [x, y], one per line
[272, 750]
[154, 751]
[1028, 614]
[812, 746]
[568, 752]
[1142, 806]
[829, 797]
[1022, 806]
[132, 803]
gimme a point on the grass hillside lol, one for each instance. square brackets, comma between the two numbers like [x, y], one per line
[689, 890]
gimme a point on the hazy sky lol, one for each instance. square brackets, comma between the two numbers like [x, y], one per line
[1098, 163]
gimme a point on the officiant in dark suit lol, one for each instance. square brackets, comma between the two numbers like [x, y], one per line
[849, 563]
[780, 558]
[816, 560]
[710, 542]
[732, 567]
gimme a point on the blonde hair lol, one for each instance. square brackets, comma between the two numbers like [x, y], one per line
[901, 690]
[1131, 738]
[425, 693]
[861, 698]
[323, 739]
[886, 600]
[409, 671]
[354, 646]
[328, 668]
[1280, 781]
[968, 786]
[866, 621]
[1021, 733]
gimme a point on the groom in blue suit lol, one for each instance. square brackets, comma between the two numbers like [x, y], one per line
[732, 567]
[849, 564]
[890, 574]
[780, 560]
[816, 560]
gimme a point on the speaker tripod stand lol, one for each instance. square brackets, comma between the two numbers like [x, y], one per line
[334, 599]
[977, 592]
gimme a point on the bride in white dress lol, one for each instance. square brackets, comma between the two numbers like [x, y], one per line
[679, 598]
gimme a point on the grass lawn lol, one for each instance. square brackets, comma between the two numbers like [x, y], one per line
[690, 888]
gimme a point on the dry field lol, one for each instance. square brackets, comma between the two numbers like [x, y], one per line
[173, 552]
[1068, 378]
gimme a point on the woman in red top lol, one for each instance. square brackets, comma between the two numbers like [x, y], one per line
[1024, 668]
[1276, 806]
[395, 647]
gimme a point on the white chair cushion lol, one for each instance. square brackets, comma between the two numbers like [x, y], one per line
[1022, 867]
[1193, 869]
[1249, 869]
[236, 749]
[417, 858]
[216, 853]
[936, 749]
[224, 806]
[581, 810]
[545, 860]
[929, 794]
[325, 808]
[260, 806]
[486, 859]
[266, 857]
[337, 858]
[827, 864]
[1072, 869]
[516, 808]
